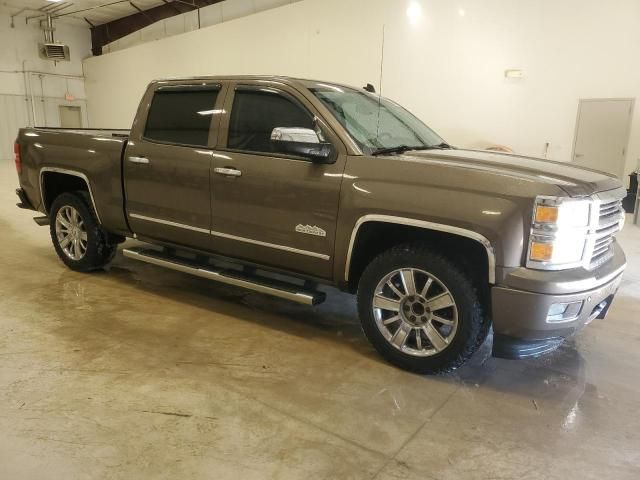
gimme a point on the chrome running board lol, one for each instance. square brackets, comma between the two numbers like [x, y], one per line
[237, 278]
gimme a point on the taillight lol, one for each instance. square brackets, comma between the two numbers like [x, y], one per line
[16, 150]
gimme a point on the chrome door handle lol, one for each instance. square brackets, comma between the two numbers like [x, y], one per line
[229, 172]
[142, 160]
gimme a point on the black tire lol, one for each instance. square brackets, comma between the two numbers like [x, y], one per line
[99, 249]
[472, 322]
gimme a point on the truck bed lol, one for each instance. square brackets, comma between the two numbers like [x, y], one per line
[94, 154]
[101, 132]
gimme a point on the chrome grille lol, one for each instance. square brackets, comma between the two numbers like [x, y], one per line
[610, 215]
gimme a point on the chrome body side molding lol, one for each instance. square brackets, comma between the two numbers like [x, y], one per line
[167, 222]
[75, 173]
[230, 237]
[428, 226]
[271, 245]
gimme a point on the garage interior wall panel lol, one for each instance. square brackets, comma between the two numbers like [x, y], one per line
[14, 114]
[444, 60]
[24, 74]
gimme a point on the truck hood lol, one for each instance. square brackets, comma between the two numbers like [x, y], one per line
[576, 181]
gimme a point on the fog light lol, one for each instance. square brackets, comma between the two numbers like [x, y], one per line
[564, 312]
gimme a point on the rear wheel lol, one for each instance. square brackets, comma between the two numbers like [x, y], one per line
[420, 311]
[77, 237]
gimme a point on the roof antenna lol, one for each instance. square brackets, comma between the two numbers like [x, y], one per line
[369, 88]
[380, 94]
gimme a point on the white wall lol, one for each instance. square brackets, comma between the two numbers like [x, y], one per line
[446, 65]
[19, 54]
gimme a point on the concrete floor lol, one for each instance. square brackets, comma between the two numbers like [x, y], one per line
[141, 372]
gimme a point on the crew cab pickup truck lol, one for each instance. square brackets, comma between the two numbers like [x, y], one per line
[279, 184]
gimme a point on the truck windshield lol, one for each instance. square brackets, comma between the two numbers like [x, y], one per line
[376, 124]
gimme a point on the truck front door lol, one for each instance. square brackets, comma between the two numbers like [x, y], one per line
[167, 163]
[269, 207]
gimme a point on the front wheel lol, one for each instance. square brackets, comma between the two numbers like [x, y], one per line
[420, 311]
[77, 237]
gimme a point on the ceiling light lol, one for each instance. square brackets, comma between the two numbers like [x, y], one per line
[414, 12]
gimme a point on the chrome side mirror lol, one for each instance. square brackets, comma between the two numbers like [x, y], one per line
[294, 134]
[303, 142]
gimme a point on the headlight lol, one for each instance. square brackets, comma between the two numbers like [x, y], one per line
[559, 232]
[562, 214]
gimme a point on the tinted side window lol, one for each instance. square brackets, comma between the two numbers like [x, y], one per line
[181, 116]
[256, 113]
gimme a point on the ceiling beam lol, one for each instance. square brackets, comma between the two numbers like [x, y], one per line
[115, 29]
[172, 5]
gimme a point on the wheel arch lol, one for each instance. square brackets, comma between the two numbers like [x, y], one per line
[55, 181]
[360, 251]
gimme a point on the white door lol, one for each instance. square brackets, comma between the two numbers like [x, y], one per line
[602, 134]
[70, 117]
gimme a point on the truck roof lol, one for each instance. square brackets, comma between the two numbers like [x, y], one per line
[305, 82]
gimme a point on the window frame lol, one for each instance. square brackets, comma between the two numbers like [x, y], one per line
[279, 89]
[214, 123]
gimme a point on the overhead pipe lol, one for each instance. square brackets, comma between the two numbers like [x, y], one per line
[43, 102]
[95, 7]
[48, 30]
[52, 9]
[46, 74]
[27, 94]
[13, 16]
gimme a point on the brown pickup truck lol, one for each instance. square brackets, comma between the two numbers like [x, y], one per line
[279, 184]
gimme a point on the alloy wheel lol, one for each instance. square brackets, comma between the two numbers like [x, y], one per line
[71, 232]
[415, 312]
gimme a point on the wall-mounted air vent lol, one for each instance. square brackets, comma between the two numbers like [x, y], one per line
[54, 51]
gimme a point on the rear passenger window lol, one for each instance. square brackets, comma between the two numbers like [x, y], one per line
[181, 116]
[256, 113]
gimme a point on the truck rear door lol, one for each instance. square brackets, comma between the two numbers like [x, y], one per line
[167, 162]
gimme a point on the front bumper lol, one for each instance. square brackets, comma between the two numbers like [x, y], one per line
[520, 321]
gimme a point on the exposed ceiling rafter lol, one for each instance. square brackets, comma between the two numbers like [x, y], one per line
[108, 32]
[96, 11]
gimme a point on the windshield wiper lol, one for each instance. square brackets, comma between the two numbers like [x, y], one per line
[406, 148]
[397, 149]
[440, 146]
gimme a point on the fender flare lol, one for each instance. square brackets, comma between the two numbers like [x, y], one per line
[463, 232]
[65, 171]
